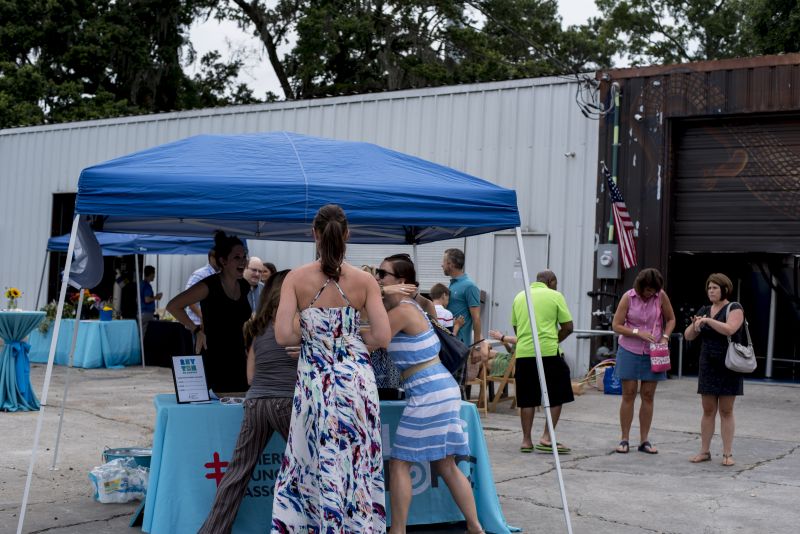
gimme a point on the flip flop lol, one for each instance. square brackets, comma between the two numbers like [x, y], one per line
[526, 450]
[647, 447]
[701, 457]
[727, 460]
[625, 447]
[543, 447]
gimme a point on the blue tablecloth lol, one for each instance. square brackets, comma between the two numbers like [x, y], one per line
[193, 442]
[100, 344]
[16, 393]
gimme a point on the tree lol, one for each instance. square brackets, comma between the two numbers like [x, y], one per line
[85, 59]
[770, 27]
[344, 46]
[672, 31]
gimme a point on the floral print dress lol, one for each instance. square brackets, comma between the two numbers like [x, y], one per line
[331, 478]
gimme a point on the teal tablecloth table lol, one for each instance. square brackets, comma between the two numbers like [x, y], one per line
[16, 393]
[192, 444]
[100, 344]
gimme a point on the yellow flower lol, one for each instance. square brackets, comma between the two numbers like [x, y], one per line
[13, 293]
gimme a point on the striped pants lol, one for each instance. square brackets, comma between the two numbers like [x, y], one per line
[261, 418]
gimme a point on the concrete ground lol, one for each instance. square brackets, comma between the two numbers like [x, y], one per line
[606, 492]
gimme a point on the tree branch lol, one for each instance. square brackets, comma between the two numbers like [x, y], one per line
[260, 19]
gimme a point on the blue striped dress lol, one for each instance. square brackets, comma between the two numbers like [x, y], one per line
[430, 428]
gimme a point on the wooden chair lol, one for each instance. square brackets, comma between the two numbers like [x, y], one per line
[483, 393]
[503, 381]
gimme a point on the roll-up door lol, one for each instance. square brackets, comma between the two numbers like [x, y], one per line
[429, 258]
[736, 185]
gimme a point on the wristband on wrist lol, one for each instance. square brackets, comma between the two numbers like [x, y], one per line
[503, 338]
[197, 329]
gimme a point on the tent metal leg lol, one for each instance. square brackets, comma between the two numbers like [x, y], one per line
[66, 380]
[139, 305]
[49, 373]
[542, 382]
[41, 279]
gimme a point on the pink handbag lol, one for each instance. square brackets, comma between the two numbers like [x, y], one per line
[659, 352]
[659, 357]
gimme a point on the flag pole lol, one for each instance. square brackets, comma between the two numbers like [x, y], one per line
[614, 151]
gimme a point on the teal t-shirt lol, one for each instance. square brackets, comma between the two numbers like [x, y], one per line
[551, 310]
[463, 295]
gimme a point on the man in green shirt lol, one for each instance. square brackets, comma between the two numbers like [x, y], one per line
[554, 324]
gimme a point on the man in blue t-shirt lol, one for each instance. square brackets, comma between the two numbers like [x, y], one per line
[147, 298]
[465, 297]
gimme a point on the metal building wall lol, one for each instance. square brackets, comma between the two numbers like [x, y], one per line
[524, 134]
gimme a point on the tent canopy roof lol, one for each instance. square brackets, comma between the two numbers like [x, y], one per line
[119, 244]
[270, 186]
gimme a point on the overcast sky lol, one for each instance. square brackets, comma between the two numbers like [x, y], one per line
[257, 74]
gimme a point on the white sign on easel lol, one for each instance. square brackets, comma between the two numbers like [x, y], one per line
[190, 379]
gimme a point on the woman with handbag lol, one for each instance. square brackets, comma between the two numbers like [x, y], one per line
[717, 385]
[644, 321]
[430, 429]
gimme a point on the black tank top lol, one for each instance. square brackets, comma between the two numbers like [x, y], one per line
[225, 359]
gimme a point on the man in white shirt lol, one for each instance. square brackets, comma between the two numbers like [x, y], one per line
[193, 310]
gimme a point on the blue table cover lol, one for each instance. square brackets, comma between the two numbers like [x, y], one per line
[192, 444]
[16, 393]
[100, 344]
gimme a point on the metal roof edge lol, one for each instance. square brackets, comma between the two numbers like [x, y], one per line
[295, 104]
[704, 66]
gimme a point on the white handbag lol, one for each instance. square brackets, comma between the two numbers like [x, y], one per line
[741, 358]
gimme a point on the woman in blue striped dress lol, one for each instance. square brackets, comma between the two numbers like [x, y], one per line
[430, 429]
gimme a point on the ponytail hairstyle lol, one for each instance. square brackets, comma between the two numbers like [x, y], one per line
[267, 308]
[403, 268]
[330, 226]
[223, 245]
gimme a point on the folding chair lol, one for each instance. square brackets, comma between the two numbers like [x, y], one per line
[506, 379]
[483, 394]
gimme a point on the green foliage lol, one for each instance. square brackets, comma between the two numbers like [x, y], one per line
[86, 59]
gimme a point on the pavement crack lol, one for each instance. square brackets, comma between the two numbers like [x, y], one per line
[59, 527]
[147, 428]
[767, 461]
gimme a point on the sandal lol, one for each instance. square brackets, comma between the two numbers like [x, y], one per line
[727, 460]
[548, 447]
[623, 447]
[647, 447]
[701, 457]
[526, 449]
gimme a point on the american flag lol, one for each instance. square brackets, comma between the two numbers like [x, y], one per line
[623, 223]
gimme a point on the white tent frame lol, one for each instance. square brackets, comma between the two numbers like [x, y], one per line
[532, 321]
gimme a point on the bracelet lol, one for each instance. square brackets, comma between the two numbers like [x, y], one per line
[383, 294]
[503, 338]
[197, 329]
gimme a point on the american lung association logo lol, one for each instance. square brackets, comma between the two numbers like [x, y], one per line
[188, 365]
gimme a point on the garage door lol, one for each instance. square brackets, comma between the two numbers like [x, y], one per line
[736, 186]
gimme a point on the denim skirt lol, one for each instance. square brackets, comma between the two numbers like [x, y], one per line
[632, 366]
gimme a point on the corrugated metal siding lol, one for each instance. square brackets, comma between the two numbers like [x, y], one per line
[513, 133]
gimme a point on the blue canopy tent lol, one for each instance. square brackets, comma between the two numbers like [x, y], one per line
[113, 244]
[120, 244]
[270, 186]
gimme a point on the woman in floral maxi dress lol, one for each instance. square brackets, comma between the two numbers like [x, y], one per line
[331, 478]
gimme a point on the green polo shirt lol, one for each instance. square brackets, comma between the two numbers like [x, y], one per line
[551, 311]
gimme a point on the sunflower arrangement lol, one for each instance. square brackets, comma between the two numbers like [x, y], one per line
[12, 294]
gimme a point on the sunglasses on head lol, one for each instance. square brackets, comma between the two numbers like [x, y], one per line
[383, 272]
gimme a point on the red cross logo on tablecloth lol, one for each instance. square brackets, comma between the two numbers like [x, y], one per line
[216, 466]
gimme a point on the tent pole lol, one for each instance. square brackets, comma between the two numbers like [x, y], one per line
[66, 380]
[48, 374]
[139, 305]
[41, 279]
[414, 255]
[542, 381]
